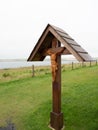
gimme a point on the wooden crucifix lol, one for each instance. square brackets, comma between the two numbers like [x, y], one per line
[56, 117]
[52, 37]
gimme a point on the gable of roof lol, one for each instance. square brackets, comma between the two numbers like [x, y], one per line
[68, 42]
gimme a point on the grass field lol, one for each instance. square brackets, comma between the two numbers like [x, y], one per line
[27, 101]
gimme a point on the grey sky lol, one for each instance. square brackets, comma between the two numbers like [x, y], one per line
[23, 21]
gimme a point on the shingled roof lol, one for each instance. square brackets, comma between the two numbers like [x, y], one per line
[71, 46]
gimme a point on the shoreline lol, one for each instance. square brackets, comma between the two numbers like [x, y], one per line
[23, 63]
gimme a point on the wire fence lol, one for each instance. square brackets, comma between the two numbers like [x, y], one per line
[43, 70]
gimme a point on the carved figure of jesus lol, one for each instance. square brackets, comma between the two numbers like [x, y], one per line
[53, 55]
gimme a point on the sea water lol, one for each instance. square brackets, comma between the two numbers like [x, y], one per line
[17, 64]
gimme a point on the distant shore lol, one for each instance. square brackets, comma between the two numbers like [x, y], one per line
[16, 63]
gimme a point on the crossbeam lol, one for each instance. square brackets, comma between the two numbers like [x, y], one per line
[57, 50]
[54, 50]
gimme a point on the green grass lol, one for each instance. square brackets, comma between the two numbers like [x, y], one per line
[27, 100]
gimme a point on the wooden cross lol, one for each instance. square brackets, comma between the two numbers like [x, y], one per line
[56, 117]
[49, 39]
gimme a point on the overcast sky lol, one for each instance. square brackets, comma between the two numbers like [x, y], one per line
[23, 21]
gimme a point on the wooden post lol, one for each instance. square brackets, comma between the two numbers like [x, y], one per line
[72, 65]
[90, 64]
[32, 70]
[96, 62]
[56, 116]
[82, 64]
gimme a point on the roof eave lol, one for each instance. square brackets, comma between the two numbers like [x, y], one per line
[33, 53]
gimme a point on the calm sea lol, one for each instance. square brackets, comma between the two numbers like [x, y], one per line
[16, 64]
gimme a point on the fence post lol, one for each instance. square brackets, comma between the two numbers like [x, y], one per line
[90, 63]
[82, 64]
[32, 70]
[72, 65]
[96, 62]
